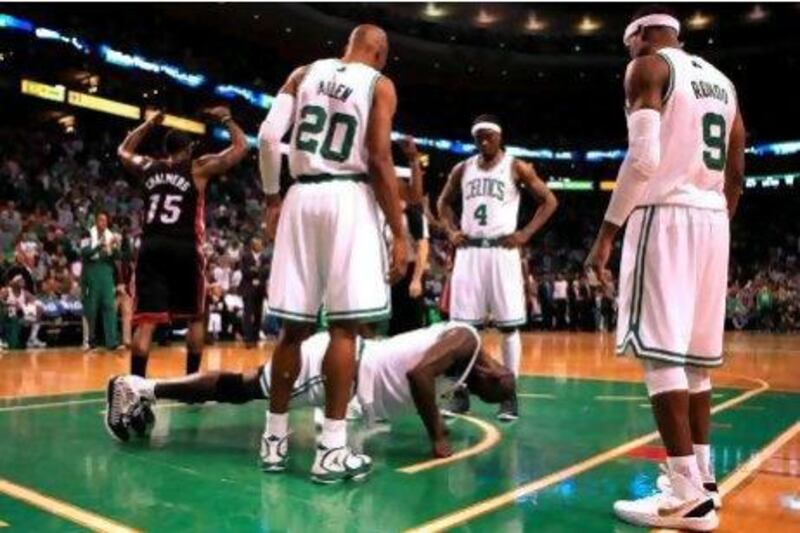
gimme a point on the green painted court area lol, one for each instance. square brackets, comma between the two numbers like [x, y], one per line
[199, 470]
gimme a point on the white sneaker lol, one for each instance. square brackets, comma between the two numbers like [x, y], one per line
[333, 465]
[666, 510]
[274, 452]
[665, 485]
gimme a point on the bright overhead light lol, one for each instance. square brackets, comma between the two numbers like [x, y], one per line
[535, 23]
[434, 11]
[757, 14]
[485, 18]
[699, 21]
[588, 25]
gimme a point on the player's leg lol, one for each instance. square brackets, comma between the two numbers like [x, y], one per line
[140, 347]
[132, 396]
[467, 304]
[286, 364]
[658, 330]
[151, 304]
[506, 297]
[713, 241]
[355, 292]
[195, 341]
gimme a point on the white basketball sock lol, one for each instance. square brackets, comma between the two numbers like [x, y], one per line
[334, 433]
[512, 351]
[703, 454]
[686, 466]
[277, 424]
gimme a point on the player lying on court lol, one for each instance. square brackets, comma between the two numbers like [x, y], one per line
[395, 375]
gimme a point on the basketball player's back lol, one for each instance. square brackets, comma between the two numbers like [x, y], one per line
[696, 121]
[334, 96]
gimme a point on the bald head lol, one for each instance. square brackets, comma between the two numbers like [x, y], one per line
[368, 44]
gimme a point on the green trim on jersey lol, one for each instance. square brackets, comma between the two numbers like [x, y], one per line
[372, 85]
[325, 178]
[671, 86]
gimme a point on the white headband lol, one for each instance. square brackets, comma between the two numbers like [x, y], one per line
[651, 20]
[491, 126]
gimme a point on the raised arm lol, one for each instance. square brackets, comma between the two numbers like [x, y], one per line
[126, 151]
[381, 169]
[526, 175]
[213, 164]
[453, 346]
[734, 169]
[445, 205]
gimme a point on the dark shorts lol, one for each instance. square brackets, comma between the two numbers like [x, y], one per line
[169, 281]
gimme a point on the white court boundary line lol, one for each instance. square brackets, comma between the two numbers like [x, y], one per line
[492, 504]
[62, 509]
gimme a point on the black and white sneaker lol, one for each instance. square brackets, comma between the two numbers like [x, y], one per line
[458, 405]
[142, 418]
[509, 410]
[120, 401]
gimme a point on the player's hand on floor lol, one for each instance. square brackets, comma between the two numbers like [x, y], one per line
[515, 240]
[397, 270]
[442, 449]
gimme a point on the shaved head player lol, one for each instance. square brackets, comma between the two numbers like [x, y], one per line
[328, 247]
[677, 188]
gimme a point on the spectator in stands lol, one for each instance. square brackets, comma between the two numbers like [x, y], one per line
[560, 299]
[23, 312]
[255, 272]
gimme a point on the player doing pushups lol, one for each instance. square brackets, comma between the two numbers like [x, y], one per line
[395, 376]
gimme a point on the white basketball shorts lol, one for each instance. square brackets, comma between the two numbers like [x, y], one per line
[673, 284]
[329, 250]
[487, 286]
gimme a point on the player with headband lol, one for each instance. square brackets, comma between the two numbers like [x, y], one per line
[487, 285]
[677, 188]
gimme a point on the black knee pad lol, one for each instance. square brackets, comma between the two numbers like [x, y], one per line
[231, 389]
[506, 331]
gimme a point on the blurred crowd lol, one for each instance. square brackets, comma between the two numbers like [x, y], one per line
[70, 225]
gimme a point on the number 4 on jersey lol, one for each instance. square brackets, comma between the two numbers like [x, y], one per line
[480, 214]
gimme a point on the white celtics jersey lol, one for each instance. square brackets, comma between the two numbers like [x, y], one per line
[332, 109]
[383, 371]
[696, 122]
[490, 199]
